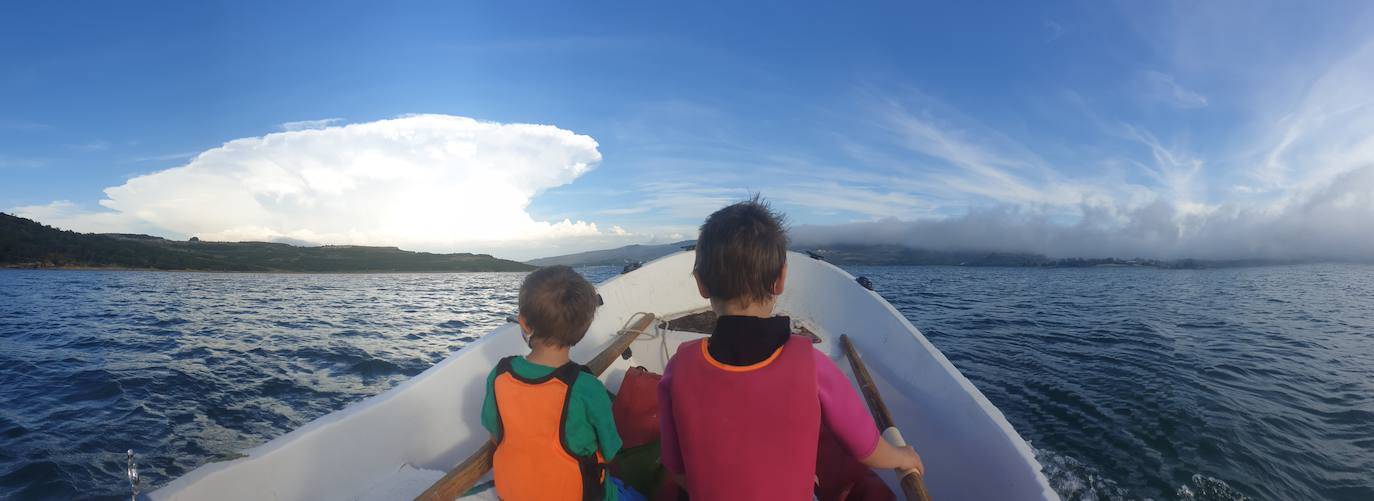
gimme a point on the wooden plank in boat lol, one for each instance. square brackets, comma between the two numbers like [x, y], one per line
[704, 322]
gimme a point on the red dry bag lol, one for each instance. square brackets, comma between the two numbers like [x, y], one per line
[636, 407]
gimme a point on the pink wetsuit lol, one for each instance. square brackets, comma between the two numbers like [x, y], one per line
[748, 430]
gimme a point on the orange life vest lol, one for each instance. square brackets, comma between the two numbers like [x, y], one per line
[532, 460]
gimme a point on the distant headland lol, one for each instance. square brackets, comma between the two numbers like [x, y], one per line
[897, 255]
[25, 243]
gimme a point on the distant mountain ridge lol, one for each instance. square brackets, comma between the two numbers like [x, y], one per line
[25, 243]
[894, 255]
[617, 256]
[843, 254]
[886, 254]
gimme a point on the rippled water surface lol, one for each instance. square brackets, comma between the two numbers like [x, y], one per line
[1167, 384]
[1130, 383]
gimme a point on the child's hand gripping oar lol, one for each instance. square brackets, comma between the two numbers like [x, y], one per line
[467, 473]
[912, 485]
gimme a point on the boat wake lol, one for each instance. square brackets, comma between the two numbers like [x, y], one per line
[1075, 481]
[1202, 487]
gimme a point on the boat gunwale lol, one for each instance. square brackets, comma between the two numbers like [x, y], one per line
[1020, 444]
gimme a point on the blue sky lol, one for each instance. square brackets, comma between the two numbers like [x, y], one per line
[1160, 129]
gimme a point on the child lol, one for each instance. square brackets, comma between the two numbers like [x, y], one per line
[741, 411]
[550, 418]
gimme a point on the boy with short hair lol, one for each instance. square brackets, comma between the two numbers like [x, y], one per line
[740, 411]
[550, 418]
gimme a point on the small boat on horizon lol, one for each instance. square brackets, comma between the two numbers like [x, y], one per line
[397, 444]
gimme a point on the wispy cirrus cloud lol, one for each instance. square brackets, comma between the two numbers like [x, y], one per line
[1055, 30]
[1330, 131]
[309, 124]
[163, 157]
[96, 145]
[917, 171]
[932, 149]
[23, 125]
[548, 44]
[9, 162]
[1164, 88]
[1177, 174]
[1311, 198]
[623, 211]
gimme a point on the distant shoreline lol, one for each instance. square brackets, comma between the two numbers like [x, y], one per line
[884, 265]
[896, 255]
[28, 244]
[12, 266]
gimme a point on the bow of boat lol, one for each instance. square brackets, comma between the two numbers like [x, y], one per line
[396, 444]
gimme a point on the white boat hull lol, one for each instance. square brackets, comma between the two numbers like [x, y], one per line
[393, 445]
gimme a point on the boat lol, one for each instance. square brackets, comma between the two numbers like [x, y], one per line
[397, 444]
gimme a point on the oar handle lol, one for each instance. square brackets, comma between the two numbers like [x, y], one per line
[894, 436]
[913, 487]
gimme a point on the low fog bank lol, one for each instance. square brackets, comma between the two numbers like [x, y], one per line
[1335, 222]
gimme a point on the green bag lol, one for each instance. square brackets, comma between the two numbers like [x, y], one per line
[640, 467]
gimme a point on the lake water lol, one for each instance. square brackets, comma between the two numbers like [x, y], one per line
[1130, 383]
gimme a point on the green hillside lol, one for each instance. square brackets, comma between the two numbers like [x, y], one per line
[25, 243]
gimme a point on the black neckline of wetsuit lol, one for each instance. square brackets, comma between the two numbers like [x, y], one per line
[742, 341]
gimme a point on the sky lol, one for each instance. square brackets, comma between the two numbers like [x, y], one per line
[1214, 130]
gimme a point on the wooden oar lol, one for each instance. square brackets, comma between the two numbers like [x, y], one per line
[467, 473]
[912, 485]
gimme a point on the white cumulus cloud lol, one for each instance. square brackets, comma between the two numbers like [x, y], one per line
[423, 182]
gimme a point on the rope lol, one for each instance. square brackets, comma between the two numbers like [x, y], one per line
[626, 329]
[662, 328]
[658, 330]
